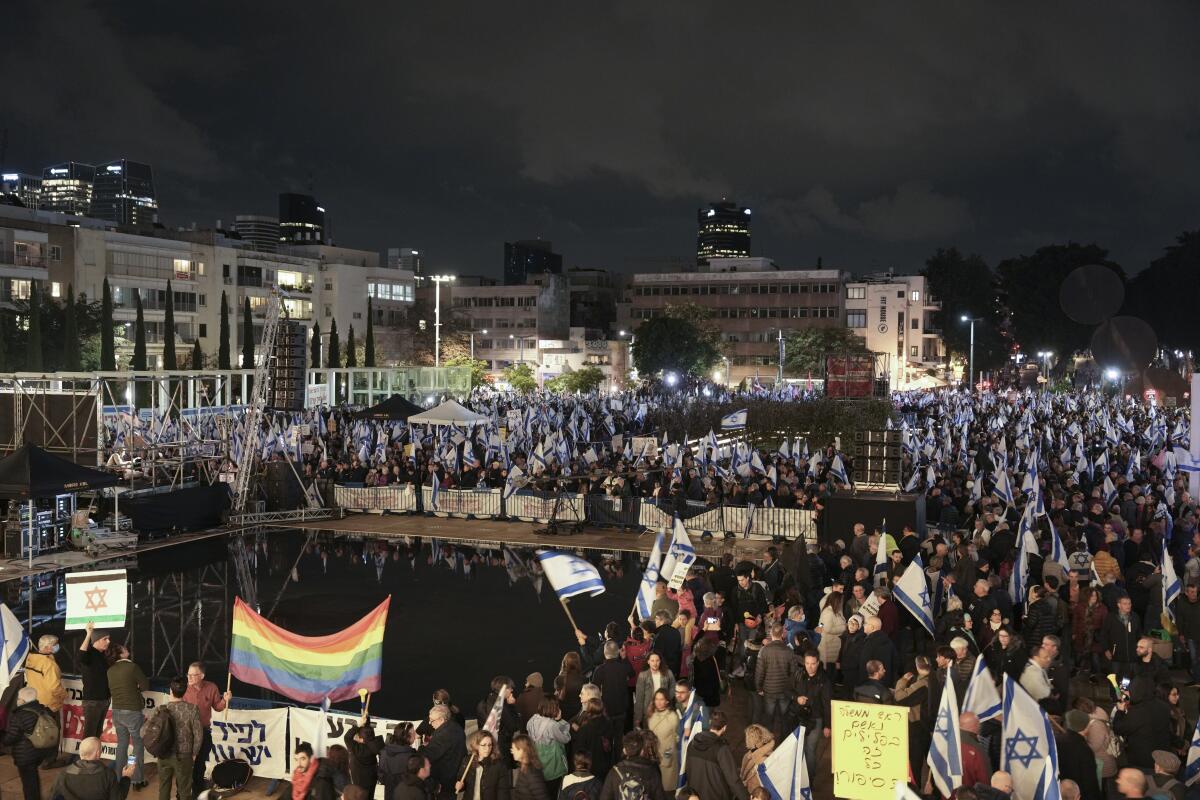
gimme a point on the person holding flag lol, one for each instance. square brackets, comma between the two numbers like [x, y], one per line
[945, 749]
[1028, 749]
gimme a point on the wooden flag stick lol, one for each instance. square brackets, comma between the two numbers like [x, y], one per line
[228, 689]
[470, 761]
[367, 707]
[574, 625]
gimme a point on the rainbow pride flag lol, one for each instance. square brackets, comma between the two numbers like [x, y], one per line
[308, 668]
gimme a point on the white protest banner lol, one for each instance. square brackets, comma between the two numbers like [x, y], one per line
[316, 394]
[72, 721]
[99, 597]
[306, 726]
[258, 737]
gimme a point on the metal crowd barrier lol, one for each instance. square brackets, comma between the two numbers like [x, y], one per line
[634, 513]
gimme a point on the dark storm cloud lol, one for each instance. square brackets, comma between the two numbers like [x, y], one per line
[867, 133]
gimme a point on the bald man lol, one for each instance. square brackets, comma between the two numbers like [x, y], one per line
[975, 765]
[89, 778]
[1068, 790]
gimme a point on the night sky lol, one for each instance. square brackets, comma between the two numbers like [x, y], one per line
[867, 135]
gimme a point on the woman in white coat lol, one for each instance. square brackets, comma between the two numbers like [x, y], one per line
[832, 625]
[654, 677]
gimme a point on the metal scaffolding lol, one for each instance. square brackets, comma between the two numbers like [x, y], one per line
[183, 617]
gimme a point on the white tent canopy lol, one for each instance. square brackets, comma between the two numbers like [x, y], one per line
[449, 413]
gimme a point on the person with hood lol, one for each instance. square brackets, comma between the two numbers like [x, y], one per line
[393, 761]
[445, 751]
[530, 698]
[849, 657]
[633, 775]
[25, 756]
[711, 771]
[550, 734]
[483, 774]
[364, 747]
[1143, 720]
[759, 744]
[1076, 761]
[874, 690]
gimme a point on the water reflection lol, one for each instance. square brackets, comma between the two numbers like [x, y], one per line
[459, 615]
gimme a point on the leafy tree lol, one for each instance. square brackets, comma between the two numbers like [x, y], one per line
[223, 337]
[314, 347]
[1030, 286]
[521, 377]
[247, 336]
[456, 339]
[369, 355]
[964, 285]
[1164, 294]
[335, 347]
[479, 369]
[197, 355]
[669, 343]
[70, 357]
[805, 349]
[584, 379]
[351, 356]
[169, 360]
[108, 350]
[34, 361]
[5, 328]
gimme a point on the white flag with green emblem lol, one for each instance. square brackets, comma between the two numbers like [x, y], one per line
[98, 597]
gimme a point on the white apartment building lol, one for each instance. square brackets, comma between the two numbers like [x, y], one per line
[894, 313]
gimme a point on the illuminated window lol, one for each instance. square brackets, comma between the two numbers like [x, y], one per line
[21, 289]
[55, 289]
[916, 297]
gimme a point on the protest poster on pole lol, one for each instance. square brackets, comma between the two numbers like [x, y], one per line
[256, 736]
[98, 597]
[870, 749]
[72, 721]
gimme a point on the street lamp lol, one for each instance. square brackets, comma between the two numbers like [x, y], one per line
[484, 332]
[971, 358]
[521, 347]
[438, 280]
[1045, 355]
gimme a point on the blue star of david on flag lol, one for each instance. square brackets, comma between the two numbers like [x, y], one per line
[1020, 737]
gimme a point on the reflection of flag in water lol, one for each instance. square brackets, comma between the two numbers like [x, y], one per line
[982, 699]
[784, 773]
[569, 574]
[514, 565]
[437, 487]
[492, 723]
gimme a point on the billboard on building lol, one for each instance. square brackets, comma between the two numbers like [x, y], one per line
[850, 376]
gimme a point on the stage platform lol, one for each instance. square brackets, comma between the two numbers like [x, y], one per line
[14, 568]
[518, 534]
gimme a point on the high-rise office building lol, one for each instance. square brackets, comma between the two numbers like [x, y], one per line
[301, 220]
[527, 257]
[123, 191]
[260, 232]
[67, 188]
[724, 232]
[25, 188]
[404, 258]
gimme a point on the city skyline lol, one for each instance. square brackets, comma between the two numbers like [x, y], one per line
[865, 137]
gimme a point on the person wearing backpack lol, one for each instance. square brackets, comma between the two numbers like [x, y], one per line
[26, 737]
[179, 741]
[709, 764]
[580, 784]
[551, 734]
[42, 673]
[126, 682]
[633, 778]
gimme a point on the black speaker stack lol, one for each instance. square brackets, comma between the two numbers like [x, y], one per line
[287, 368]
[878, 456]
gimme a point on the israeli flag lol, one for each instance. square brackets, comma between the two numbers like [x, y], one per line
[784, 774]
[912, 592]
[735, 421]
[914, 481]
[945, 751]
[680, 551]
[1185, 462]
[783, 451]
[1192, 771]
[1110, 492]
[645, 597]
[437, 488]
[1171, 586]
[1057, 551]
[510, 483]
[569, 574]
[14, 646]
[1028, 744]
[982, 699]
[1019, 581]
[838, 470]
[1003, 490]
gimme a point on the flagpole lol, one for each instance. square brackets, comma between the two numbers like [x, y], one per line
[563, 602]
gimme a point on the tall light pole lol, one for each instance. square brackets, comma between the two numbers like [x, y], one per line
[971, 358]
[438, 280]
[629, 352]
[1045, 355]
[520, 342]
[779, 381]
[484, 332]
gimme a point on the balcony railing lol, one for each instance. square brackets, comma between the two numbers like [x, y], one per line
[10, 257]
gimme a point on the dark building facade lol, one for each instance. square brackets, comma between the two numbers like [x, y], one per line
[529, 257]
[67, 188]
[123, 191]
[724, 232]
[301, 220]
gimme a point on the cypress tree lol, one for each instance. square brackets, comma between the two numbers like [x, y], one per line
[4, 343]
[335, 349]
[351, 356]
[314, 347]
[197, 355]
[108, 348]
[70, 359]
[169, 359]
[247, 336]
[138, 362]
[223, 339]
[34, 346]
[369, 344]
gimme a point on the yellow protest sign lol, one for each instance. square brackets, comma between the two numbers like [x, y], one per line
[870, 749]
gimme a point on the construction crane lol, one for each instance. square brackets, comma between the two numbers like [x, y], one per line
[256, 406]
